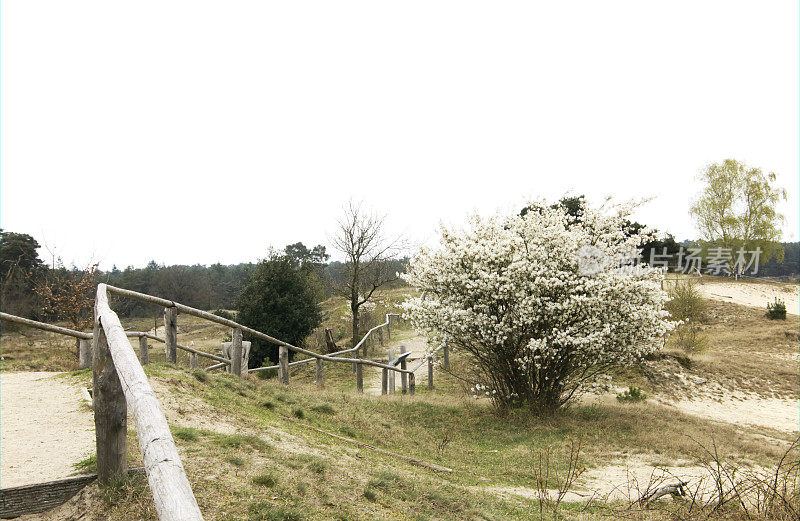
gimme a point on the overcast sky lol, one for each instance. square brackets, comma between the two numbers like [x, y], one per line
[202, 132]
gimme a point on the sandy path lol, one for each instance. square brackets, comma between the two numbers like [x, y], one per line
[417, 345]
[46, 428]
[753, 294]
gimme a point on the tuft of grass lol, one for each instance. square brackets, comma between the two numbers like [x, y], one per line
[185, 433]
[631, 394]
[298, 413]
[236, 461]
[235, 441]
[268, 404]
[311, 462]
[267, 479]
[200, 374]
[386, 481]
[370, 494]
[285, 399]
[324, 408]
[263, 511]
[86, 466]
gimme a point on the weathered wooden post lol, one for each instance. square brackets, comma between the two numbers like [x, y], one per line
[403, 376]
[320, 376]
[391, 373]
[388, 327]
[236, 352]
[360, 378]
[446, 356]
[171, 334]
[110, 411]
[430, 373]
[84, 353]
[144, 352]
[193, 360]
[380, 336]
[384, 381]
[412, 384]
[283, 361]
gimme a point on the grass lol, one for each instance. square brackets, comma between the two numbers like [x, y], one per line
[245, 461]
[86, 466]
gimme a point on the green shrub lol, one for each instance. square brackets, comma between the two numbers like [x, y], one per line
[632, 394]
[776, 310]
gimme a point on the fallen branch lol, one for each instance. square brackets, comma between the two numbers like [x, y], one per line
[676, 489]
[413, 461]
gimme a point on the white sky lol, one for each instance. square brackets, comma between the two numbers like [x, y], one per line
[198, 132]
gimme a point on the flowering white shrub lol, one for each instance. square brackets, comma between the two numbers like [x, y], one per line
[511, 292]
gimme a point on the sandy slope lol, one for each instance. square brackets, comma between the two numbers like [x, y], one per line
[45, 429]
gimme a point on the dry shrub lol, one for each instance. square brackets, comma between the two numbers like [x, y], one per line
[688, 305]
[729, 491]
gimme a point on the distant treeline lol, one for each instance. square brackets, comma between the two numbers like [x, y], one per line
[24, 276]
[790, 266]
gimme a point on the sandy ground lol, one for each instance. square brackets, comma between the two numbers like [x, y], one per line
[417, 345]
[745, 409]
[754, 294]
[46, 428]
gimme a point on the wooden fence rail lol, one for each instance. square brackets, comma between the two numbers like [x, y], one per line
[119, 378]
[142, 297]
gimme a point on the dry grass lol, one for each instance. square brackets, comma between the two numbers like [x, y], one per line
[245, 461]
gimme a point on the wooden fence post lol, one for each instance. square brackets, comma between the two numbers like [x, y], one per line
[110, 411]
[430, 373]
[391, 373]
[360, 378]
[412, 384]
[388, 328]
[446, 356]
[236, 352]
[171, 334]
[144, 353]
[283, 361]
[380, 336]
[84, 353]
[384, 381]
[403, 376]
[193, 360]
[320, 376]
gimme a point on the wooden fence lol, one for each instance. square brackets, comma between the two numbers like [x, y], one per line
[119, 382]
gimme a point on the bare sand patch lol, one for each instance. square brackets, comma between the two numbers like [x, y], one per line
[745, 409]
[754, 294]
[46, 428]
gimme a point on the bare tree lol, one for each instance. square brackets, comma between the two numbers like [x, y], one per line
[361, 238]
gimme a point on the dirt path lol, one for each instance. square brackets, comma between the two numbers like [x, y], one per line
[46, 428]
[417, 345]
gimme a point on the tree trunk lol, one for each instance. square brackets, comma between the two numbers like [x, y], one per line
[354, 308]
